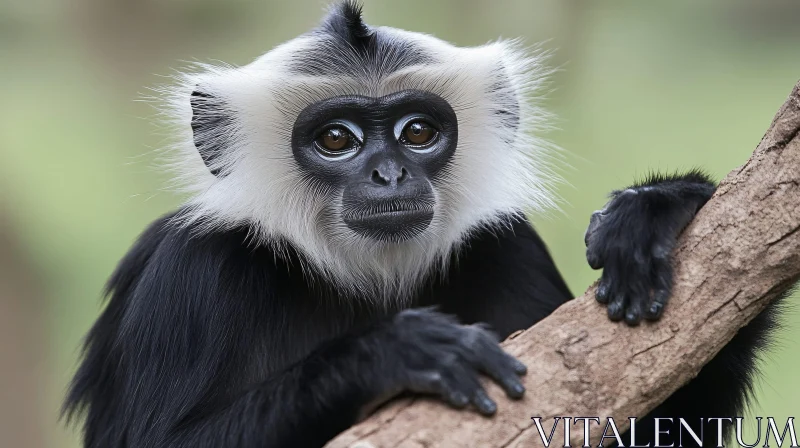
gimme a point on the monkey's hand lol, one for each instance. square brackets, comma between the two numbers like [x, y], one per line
[428, 352]
[632, 239]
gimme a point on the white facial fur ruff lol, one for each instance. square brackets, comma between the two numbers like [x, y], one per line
[496, 170]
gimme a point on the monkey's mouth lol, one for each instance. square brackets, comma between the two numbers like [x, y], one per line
[391, 221]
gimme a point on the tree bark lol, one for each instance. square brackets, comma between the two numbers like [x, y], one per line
[740, 252]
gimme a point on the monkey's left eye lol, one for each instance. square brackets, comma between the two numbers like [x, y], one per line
[336, 141]
[418, 133]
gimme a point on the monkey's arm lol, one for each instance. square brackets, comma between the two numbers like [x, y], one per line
[305, 404]
[632, 239]
[201, 347]
[320, 396]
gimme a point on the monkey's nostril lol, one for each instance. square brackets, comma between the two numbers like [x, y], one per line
[403, 175]
[378, 178]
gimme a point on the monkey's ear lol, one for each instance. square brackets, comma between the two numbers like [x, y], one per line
[505, 100]
[211, 127]
[508, 111]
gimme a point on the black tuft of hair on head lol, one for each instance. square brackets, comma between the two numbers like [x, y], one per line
[345, 21]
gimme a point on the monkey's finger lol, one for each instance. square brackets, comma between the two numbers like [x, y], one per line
[461, 384]
[662, 283]
[456, 398]
[503, 368]
[486, 351]
[518, 367]
[616, 308]
[633, 312]
[603, 292]
[511, 384]
[502, 372]
[462, 381]
[482, 402]
[657, 305]
[638, 295]
[442, 385]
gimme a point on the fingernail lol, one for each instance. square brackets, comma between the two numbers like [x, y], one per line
[655, 308]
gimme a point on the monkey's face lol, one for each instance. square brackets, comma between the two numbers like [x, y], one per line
[382, 154]
[373, 150]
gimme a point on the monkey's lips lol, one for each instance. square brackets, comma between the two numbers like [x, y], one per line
[391, 221]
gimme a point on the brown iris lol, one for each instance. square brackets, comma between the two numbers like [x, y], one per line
[418, 133]
[334, 139]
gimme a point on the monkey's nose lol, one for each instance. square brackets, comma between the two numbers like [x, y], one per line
[388, 177]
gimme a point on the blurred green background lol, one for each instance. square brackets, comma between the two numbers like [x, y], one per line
[644, 85]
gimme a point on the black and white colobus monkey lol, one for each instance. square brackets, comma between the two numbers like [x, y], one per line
[356, 231]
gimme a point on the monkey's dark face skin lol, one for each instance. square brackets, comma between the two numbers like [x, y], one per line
[383, 155]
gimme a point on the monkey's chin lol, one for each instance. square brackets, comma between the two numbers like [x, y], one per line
[390, 226]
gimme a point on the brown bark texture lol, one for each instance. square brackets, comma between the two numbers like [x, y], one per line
[741, 251]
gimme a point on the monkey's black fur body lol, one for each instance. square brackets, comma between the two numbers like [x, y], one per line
[213, 339]
[209, 341]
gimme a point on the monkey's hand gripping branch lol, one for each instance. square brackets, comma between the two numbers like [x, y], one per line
[740, 252]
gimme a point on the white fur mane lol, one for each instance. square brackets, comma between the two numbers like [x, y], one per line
[496, 170]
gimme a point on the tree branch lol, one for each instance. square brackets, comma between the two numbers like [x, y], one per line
[740, 252]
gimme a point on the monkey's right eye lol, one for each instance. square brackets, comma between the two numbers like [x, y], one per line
[336, 141]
